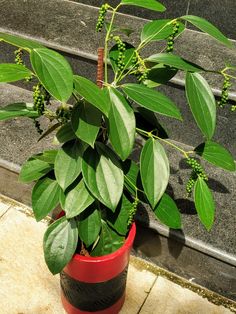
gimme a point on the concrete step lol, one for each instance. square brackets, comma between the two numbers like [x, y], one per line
[27, 287]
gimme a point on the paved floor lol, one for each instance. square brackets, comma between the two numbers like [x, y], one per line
[27, 287]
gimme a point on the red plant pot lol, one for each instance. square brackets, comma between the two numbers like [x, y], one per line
[97, 284]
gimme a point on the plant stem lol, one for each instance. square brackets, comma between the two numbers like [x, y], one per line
[149, 134]
[107, 40]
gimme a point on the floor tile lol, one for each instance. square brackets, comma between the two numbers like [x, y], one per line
[27, 287]
[167, 297]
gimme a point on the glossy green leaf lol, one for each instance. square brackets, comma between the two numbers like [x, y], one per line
[86, 121]
[68, 163]
[10, 72]
[89, 225]
[204, 203]
[20, 42]
[92, 93]
[159, 74]
[62, 198]
[109, 241]
[77, 200]
[131, 172]
[129, 53]
[121, 124]
[152, 100]
[65, 133]
[158, 30]
[45, 197]
[167, 212]
[34, 169]
[18, 110]
[119, 219]
[54, 72]
[48, 156]
[154, 169]
[59, 244]
[147, 4]
[102, 175]
[216, 154]
[208, 28]
[202, 103]
[174, 61]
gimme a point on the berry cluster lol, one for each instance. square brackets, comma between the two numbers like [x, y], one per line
[133, 211]
[197, 171]
[224, 94]
[141, 71]
[18, 56]
[101, 17]
[37, 126]
[38, 98]
[233, 108]
[170, 43]
[121, 55]
[63, 113]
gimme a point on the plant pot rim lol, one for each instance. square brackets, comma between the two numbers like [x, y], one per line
[126, 246]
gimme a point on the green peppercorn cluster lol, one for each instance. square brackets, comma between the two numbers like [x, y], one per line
[18, 56]
[121, 52]
[170, 42]
[39, 98]
[133, 211]
[140, 69]
[225, 92]
[63, 113]
[101, 16]
[197, 171]
[233, 108]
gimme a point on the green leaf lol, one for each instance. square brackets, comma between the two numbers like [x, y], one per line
[174, 61]
[20, 42]
[102, 175]
[202, 103]
[34, 169]
[92, 93]
[216, 154]
[154, 169]
[18, 110]
[86, 121]
[152, 100]
[109, 241]
[159, 30]
[208, 28]
[13, 72]
[147, 4]
[45, 197]
[119, 219]
[65, 133]
[129, 53]
[77, 200]
[204, 203]
[167, 212]
[131, 172]
[59, 244]
[48, 156]
[89, 225]
[68, 163]
[54, 72]
[159, 74]
[121, 124]
[62, 198]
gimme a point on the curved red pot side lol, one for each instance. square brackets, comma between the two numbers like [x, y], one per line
[84, 276]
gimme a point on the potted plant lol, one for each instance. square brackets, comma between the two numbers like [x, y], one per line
[92, 175]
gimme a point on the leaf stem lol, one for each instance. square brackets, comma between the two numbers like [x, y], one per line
[149, 134]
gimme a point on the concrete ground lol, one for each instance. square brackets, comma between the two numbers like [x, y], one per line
[27, 287]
